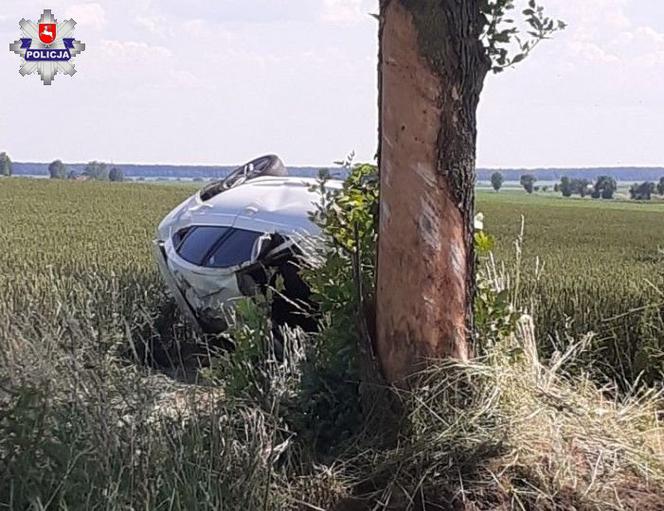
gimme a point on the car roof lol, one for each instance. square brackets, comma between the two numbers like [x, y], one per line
[270, 203]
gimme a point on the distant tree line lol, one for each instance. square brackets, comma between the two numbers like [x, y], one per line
[58, 170]
[604, 187]
[94, 170]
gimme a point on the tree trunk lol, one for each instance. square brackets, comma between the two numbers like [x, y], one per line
[431, 72]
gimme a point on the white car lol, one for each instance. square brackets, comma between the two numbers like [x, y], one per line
[232, 237]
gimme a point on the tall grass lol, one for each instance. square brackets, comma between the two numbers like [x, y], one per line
[83, 427]
[509, 432]
[603, 273]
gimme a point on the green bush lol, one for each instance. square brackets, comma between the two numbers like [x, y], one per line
[319, 373]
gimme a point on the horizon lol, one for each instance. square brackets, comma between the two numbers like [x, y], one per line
[333, 165]
[314, 166]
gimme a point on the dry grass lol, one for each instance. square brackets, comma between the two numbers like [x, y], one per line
[508, 432]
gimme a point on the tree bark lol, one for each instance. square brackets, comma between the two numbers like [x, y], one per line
[432, 68]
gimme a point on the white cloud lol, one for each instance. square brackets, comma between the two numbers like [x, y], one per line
[132, 50]
[90, 15]
[199, 29]
[592, 52]
[601, 33]
[650, 37]
[157, 25]
[182, 79]
[342, 11]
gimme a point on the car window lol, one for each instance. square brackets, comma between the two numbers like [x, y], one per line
[198, 242]
[179, 236]
[234, 249]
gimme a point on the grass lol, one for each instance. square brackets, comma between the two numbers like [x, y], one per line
[84, 424]
[510, 432]
[75, 225]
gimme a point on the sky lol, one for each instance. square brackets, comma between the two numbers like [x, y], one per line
[221, 81]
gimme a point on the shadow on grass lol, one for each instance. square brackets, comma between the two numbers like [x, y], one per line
[169, 345]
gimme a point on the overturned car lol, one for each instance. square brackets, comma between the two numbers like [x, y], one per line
[234, 237]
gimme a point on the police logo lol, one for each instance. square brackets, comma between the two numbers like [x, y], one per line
[47, 47]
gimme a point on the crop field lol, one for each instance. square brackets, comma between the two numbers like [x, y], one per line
[84, 424]
[85, 248]
[603, 271]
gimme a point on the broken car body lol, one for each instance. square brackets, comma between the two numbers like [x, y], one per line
[232, 237]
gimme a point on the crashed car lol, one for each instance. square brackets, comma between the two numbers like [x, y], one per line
[234, 237]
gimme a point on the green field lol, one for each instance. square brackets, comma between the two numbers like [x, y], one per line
[602, 268]
[603, 272]
[83, 425]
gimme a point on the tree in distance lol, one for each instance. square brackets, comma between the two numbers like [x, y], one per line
[582, 187]
[96, 170]
[497, 181]
[642, 191]
[605, 187]
[5, 165]
[565, 186]
[116, 174]
[57, 170]
[576, 186]
[528, 182]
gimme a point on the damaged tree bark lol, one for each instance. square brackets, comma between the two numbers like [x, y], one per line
[432, 68]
